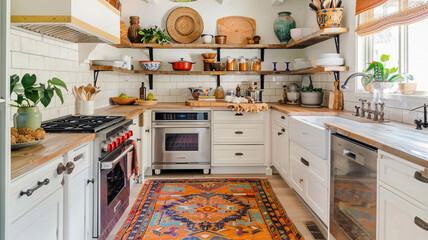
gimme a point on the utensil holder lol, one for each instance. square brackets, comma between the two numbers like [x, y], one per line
[86, 107]
[329, 17]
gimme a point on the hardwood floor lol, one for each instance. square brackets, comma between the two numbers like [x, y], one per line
[293, 205]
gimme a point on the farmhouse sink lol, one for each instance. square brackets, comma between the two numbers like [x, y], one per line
[310, 132]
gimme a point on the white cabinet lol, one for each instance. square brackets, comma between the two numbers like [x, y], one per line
[310, 179]
[43, 222]
[399, 218]
[239, 140]
[280, 150]
[78, 187]
[54, 200]
[402, 199]
[147, 140]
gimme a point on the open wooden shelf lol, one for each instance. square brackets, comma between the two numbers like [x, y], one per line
[220, 73]
[307, 41]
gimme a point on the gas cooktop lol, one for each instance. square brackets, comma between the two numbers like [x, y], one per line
[80, 124]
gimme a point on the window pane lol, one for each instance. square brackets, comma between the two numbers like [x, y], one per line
[387, 42]
[418, 49]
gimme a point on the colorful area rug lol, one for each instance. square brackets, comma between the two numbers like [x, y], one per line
[208, 209]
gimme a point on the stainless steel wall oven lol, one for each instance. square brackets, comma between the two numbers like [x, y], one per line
[181, 140]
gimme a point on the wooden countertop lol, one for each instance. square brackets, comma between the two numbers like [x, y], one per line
[401, 140]
[53, 146]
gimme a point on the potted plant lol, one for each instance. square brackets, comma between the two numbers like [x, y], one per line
[27, 94]
[380, 77]
[153, 35]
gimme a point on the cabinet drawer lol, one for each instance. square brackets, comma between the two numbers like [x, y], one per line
[280, 118]
[310, 163]
[22, 204]
[229, 116]
[297, 178]
[238, 155]
[80, 157]
[404, 176]
[238, 133]
[400, 219]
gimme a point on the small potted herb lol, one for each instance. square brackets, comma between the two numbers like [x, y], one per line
[27, 94]
[153, 35]
[312, 96]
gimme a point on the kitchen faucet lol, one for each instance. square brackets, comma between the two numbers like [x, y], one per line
[418, 122]
[345, 85]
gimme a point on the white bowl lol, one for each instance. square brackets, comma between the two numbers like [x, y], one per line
[298, 33]
[329, 55]
[302, 65]
[326, 62]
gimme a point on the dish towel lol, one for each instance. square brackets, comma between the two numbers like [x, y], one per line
[133, 165]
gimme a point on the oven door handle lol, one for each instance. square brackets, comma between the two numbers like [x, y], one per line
[182, 126]
[109, 164]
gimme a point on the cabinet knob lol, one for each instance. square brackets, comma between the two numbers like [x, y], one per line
[60, 169]
[138, 139]
[91, 180]
[301, 180]
[147, 130]
[282, 117]
[70, 167]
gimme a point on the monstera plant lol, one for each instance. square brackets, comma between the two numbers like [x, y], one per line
[27, 94]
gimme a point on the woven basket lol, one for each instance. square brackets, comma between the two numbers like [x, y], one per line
[407, 88]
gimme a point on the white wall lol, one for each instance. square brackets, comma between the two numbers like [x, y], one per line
[47, 57]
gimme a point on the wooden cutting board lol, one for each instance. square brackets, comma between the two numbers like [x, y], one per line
[336, 98]
[237, 29]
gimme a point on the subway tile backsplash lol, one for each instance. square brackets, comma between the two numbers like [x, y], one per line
[47, 58]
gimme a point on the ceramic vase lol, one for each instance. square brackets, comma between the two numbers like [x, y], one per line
[282, 26]
[133, 29]
[27, 117]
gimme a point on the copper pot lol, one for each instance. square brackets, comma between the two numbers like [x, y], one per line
[182, 65]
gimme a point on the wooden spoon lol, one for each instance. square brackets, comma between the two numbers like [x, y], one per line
[317, 4]
[327, 3]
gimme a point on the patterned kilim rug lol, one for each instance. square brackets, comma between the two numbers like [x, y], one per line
[208, 209]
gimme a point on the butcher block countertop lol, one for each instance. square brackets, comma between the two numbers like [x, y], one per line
[53, 146]
[401, 140]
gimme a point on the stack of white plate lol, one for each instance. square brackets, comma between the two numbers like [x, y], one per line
[301, 64]
[299, 33]
[329, 59]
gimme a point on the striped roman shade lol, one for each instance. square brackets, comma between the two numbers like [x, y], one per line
[378, 15]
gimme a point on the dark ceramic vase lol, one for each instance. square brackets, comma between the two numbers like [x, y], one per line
[133, 30]
[282, 26]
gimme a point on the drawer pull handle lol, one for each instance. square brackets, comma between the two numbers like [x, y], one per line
[239, 114]
[138, 139]
[91, 181]
[239, 132]
[239, 154]
[282, 131]
[419, 177]
[78, 157]
[421, 223]
[30, 192]
[282, 117]
[70, 167]
[304, 161]
[60, 169]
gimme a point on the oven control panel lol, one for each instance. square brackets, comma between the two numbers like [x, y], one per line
[181, 116]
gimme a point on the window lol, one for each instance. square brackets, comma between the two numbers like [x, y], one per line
[407, 47]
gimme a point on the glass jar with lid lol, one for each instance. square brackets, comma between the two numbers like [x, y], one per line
[230, 64]
[243, 64]
[256, 64]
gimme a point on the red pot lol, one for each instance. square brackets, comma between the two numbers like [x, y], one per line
[182, 65]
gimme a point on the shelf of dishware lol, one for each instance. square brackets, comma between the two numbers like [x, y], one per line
[312, 39]
[315, 70]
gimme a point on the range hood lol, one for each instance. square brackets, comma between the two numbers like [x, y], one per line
[78, 21]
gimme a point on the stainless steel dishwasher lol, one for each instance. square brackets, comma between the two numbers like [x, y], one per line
[353, 189]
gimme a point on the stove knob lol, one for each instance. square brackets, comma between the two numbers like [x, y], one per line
[127, 135]
[118, 141]
[131, 133]
[110, 147]
[123, 138]
[114, 145]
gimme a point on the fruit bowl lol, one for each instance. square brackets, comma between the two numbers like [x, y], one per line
[150, 65]
[124, 101]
